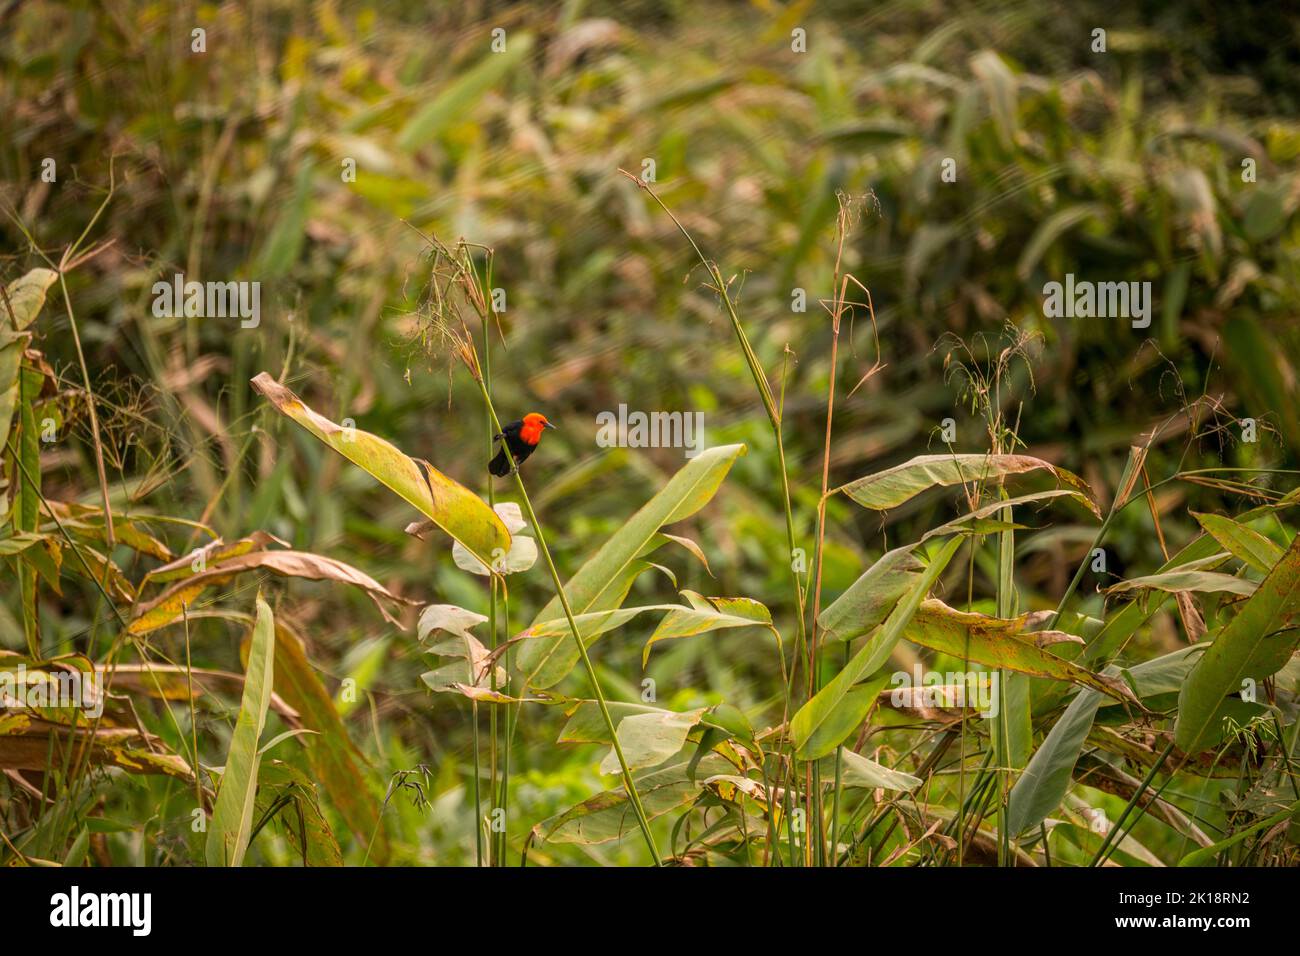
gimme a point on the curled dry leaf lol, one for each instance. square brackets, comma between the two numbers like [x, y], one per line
[167, 607]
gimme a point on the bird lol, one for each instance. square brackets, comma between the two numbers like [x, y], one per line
[521, 439]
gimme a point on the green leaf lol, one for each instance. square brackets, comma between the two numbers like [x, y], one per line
[1043, 785]
[608, 815]
[1256, 643]
[232, 816]
[586, 724]
[12, 345]
[26, 297]
[456, 102]
[602, 582]
[650, 739]
[1206, 854]
[841, 717]
[713, 615]
[334, 759]
[284, 243]
[76, 855]
[819, 726]
[894, 486]
[977, 521]
[450, 505]
[1001, 643]
[1269, 208]
[870, 598]
[857, 771]
[523, 549]
[1173, 581]
[1051, 229]
[1000, 89]
[1240, 541]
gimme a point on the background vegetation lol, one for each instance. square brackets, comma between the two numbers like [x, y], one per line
[790, 170]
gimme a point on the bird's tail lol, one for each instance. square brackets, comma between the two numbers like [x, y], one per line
[500, 465]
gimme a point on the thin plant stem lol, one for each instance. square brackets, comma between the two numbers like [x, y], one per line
[1114, 835]
[478, 806]
[629, 784]
[774, 415]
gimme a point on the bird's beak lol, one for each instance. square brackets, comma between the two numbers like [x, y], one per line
[549, 425]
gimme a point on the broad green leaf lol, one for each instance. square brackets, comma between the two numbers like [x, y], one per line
[608, 815]
[86, 521]
[978, 522]
[602, 582]
[894, 486]
[858, 771]
[453, 507]
[650, 739]
[26, 297]
[843, 717]
[1205, 855]
[19, 542]
[232, 816]
[334, 759]
[1173, 581]
[1042, 786]
[1051, 229]
[714, 615]
[705, 614]
[284, 243]
[1000, 89]
[523, 549]
[590, 626]
[1255, 644]
[1002, 644]
[586, 725]
[872, 596]
[12, 345]
[1242, 542]
[76, 855]
[456, 102]
[826, 708]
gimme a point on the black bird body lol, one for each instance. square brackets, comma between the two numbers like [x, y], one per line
[520, 438]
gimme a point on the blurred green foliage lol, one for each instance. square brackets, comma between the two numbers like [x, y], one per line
[233, 164]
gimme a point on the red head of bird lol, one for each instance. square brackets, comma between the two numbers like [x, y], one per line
[531, 431]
